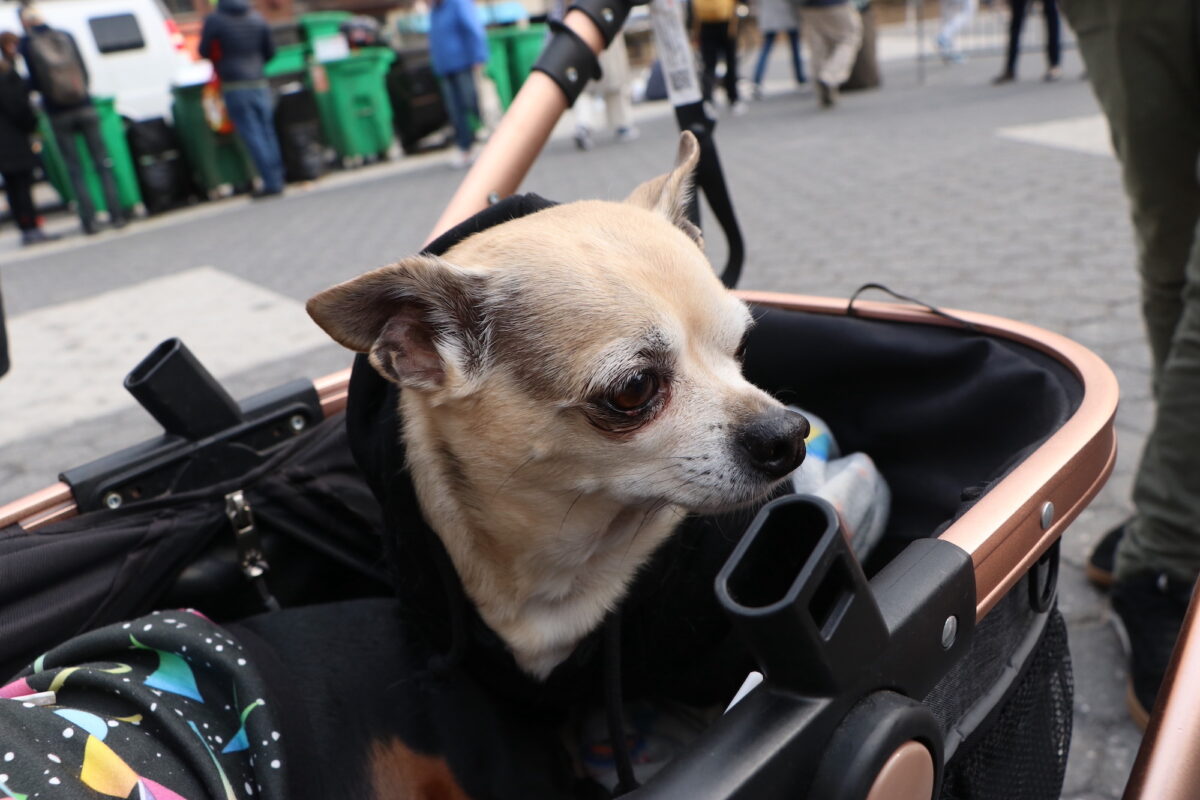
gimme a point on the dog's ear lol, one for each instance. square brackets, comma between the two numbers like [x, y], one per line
[419, 320]
[670, 194]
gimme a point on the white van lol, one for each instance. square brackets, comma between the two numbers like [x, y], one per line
[132, 48]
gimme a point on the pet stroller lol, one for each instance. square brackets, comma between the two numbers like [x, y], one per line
[938, 668]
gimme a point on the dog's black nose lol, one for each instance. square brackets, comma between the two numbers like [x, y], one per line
[773, 441]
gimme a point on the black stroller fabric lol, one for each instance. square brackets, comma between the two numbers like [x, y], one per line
[943, 411]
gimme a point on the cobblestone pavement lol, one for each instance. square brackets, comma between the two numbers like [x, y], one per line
[939, 190]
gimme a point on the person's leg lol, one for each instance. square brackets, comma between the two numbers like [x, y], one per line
[459, 109]
[812, 27]
[711, 34]
[1016, 22]
[1053, 36]
[797, 57]
[64, 125]
[845, 28]
[243, 113]
[1141, 61]
[730, 57]
[760, 69]
[89, 123]
[264, 109]
[18, 188]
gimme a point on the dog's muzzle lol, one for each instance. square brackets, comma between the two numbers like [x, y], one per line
[772, 443]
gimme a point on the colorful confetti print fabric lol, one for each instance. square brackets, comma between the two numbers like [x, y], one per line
[167, 707]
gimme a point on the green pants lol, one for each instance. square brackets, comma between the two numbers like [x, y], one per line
[1144, 64]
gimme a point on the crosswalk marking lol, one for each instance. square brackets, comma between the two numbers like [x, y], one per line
[70, 360]
[1082, 134]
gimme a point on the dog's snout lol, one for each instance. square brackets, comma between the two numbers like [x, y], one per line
[773, 441]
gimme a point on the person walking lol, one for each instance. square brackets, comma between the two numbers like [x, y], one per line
[715, 24]
[1019, 9]
[458, 48]
[59, 76]
[956, 15]
[1142, 60]
[237, 40]
[833, 32]
[775, 17]
[17, 161]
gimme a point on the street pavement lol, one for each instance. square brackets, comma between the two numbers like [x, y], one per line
[1004, 200]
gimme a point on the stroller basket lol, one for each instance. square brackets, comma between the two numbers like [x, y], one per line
[993, 435]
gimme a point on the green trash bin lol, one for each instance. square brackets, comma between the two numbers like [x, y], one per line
[525, 45]
[319, 24]
[497, 67]
[289, 59]
[218, 162]
[512, 52]
[353, 104]
[112, 131]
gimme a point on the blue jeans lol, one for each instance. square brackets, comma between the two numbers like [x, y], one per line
[458, 90]
[250, 110]
[760, 70]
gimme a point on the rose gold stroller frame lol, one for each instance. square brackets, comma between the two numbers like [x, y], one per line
[1005, 532]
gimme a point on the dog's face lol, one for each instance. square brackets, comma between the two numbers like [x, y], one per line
[588, 348]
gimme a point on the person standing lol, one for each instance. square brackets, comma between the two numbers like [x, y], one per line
[1020, 8]
[58, 74]
[716, 24]
[1143, 61]
[613, 90]
[775, 17]
[833, 32]
[17, 161]
[237, 40]
[458, 48]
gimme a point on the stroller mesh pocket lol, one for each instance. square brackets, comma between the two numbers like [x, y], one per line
[1021, 750]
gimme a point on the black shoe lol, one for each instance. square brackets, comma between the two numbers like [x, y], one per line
[90, 228]
[1150, 608]
[37, 236]
[118, 222]
[826, 94]
[263, 194]
[1003, 78]
[1101, 562]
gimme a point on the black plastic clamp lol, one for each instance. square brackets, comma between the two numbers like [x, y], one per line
[608, 15]
[568, 60]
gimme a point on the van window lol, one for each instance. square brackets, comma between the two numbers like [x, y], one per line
[116, 33]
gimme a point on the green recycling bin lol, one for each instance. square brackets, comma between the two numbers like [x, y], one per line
[512, 52]
[112, 131]
[525, 45]
[497, 68]
[319, 24]
[353, 104]
[289, 59]
[218, 162]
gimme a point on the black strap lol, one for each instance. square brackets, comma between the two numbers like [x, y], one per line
[851, 312]
[568, 60]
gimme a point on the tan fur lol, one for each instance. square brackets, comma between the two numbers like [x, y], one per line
[399, 773]
[546, 511]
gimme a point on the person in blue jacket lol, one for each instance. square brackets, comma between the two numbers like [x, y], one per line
[458, 48]
[238, 42]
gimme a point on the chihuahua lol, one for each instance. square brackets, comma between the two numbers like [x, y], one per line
[571, 388]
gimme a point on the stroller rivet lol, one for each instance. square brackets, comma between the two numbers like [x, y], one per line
[113, 500]
[607, 14]
[572, 74]
[1047, 515]
[297, 422]
[493, 198]
[949, 632]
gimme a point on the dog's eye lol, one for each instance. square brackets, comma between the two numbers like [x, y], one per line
[635, 393]
[740, 353]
